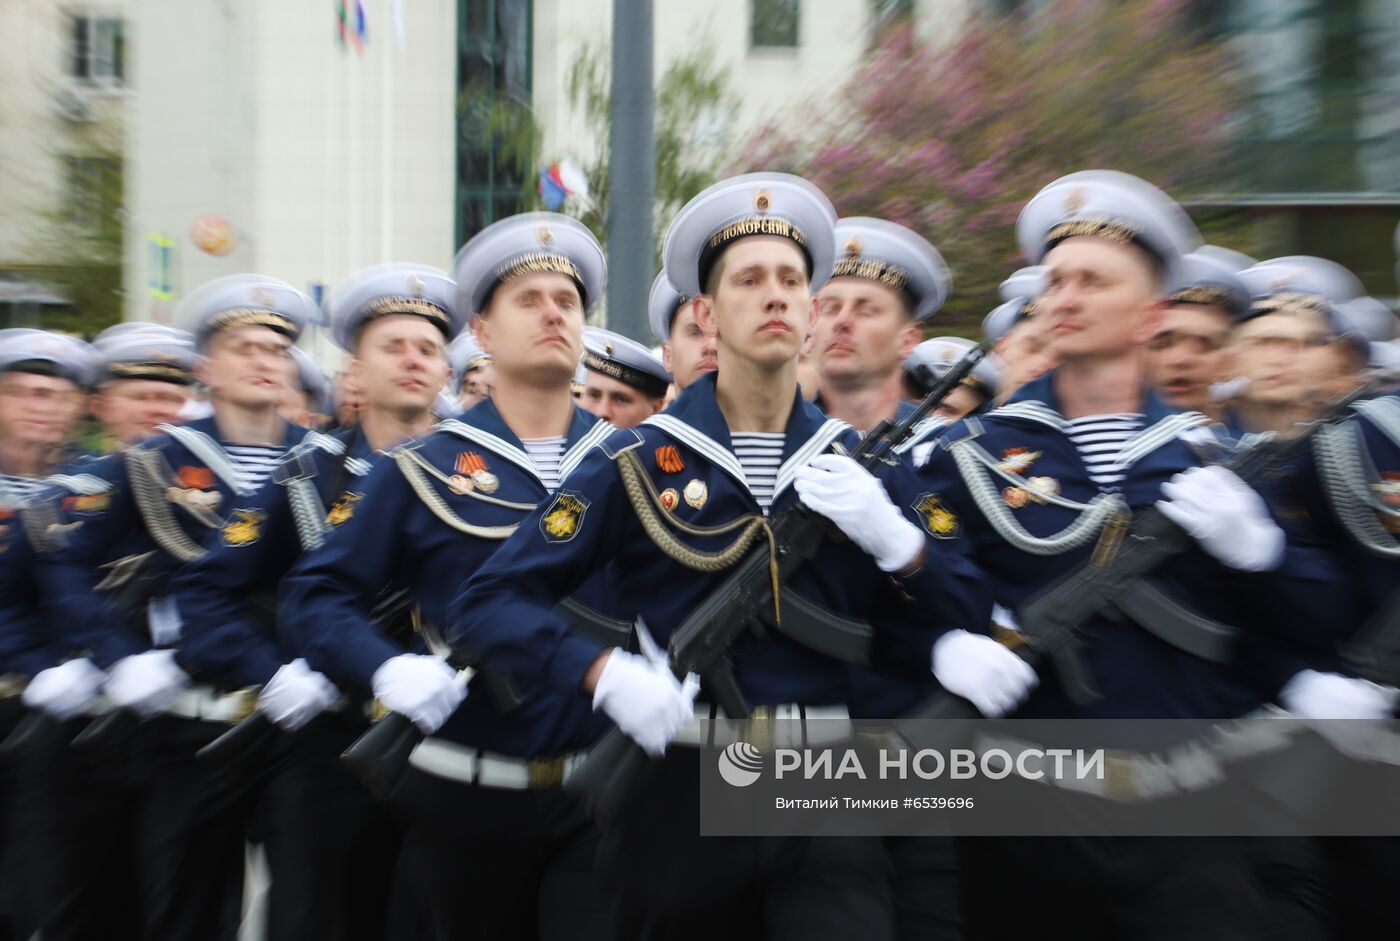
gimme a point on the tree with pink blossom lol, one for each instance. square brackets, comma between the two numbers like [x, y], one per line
[952, 138]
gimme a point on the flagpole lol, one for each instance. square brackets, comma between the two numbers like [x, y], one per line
[386, 142]
[330, 133]
[352, 152]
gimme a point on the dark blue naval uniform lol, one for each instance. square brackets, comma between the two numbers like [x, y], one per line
[503, 616]
[24, 651]
[222, 637]
[393, 537]
[1139, 675]
[117, 552]
[202, 487]
[26, 646]
[325, 837]
[1337, 502]
[487, 860]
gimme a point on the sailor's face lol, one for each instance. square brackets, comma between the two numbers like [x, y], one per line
[1100, 298]
[762, 308]
[863, 332]
[476, 385]
[1276, 353]
[40, 410]
[691, 349]
[615, 401]
[131, 409]
[248, 365]
[1025, 354]
[534, 327]
[402, 364]
[1188, 354]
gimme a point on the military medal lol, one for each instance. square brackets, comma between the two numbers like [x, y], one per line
[669, 498]
[696, 493]
[1015, 497]
[1048, 486]
[460, 484]
[472, 465]
[668, 459]
[1017, 460]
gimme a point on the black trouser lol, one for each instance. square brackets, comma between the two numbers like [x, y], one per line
[81, 858]
[1109, 888]
[16, 915]
[665, 881]
[1292, 873]
[1363, 874]
[189, 835]
[494, 863]
[331, 848]
[924, 872]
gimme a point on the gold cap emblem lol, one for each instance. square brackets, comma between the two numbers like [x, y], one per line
[262, 297]
[853, 247]
[761, 200]
[608, 348]
[1074, 200]
[546, 236]
[416, 286]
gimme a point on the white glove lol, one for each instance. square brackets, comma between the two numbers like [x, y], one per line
[66, 690]
[295, 695]
[423, 688]
[982, 671]
[146, 682]
[645, 699]
[1224, 515]
[851, 497]
[1314, 695]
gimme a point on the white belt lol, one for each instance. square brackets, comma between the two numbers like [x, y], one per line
[769, 727]
[210, 705]
[455, 762]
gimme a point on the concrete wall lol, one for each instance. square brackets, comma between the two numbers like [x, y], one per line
[323, 160]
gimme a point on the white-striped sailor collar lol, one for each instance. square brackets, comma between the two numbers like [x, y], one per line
[695, 420]
[201, 438]
[1036, 402]
[1383, 412]
[483, 425]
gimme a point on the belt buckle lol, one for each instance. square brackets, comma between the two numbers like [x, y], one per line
[546, 772]
[758, 728]
[244, 702]
[1119, 780]
[377, 710]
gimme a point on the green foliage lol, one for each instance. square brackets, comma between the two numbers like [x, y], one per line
[694, 112]
[78, 247]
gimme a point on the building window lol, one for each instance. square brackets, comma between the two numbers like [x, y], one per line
[495, 126]
[93, 190]
[98, 48]
[774, 23]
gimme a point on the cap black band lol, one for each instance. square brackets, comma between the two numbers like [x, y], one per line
[1208, 295]
[534, 263]
[1121, 231]
[156, 372]
[252, 316]
[43, 367]
[410, 306]
[746, 228]
[644, 382]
